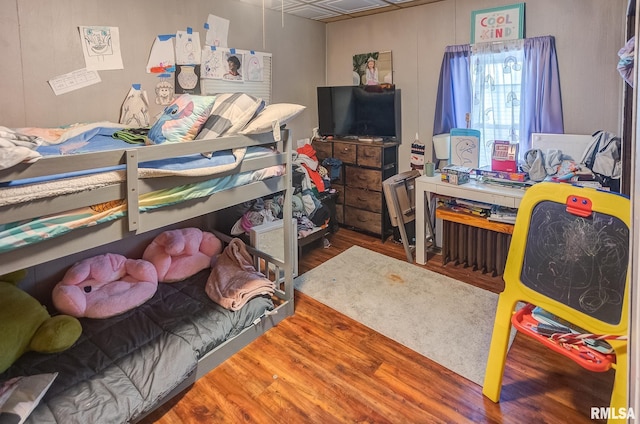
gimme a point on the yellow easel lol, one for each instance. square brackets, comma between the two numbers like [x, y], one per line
[569, 255]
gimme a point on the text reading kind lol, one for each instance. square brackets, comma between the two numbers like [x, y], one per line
[496, 26]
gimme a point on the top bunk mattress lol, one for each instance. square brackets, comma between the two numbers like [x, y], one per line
[102, 139]
[27, 204]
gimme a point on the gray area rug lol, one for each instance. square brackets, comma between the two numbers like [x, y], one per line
[448, 321]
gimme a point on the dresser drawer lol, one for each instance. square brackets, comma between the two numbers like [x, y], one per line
[370, 179]
[340, 189]
[346, 152]
[370, 156]
[364, 199]
[364, 220]
[324, 149]
[340, 214]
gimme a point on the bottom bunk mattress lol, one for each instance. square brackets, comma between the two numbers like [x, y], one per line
[121, 367]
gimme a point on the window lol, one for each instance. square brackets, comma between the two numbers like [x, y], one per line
[496, 84]
[511, 90]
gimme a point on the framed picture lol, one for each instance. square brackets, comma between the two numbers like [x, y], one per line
[373, 68]
[465, 147]
[497, 24]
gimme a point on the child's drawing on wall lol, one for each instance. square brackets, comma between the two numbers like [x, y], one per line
[187, 48]
[213, 63]
[101, 47]
[165, 93]
[255, 67]
[98, 41]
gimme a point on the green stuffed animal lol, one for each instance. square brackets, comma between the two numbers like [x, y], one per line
[25, 324]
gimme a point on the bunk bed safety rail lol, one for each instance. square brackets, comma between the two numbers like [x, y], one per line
[133, 209]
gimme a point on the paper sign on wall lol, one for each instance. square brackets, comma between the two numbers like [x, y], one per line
[73, 81]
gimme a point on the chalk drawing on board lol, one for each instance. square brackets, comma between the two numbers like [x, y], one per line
[581, 262]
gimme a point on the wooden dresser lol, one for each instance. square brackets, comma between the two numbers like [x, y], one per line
[365, 165]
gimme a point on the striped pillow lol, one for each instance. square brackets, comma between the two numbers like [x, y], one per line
[230, 113]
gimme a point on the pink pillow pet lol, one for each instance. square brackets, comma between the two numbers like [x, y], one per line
[104, 286]
[179, 254]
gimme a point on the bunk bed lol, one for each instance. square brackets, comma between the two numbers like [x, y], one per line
[124, 367]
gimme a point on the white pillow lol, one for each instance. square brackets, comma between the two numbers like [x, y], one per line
[20, 396]
[281, 112]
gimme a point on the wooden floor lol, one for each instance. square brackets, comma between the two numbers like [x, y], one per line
[322, 367]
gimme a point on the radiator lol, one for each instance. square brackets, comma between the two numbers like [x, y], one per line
[484, 250]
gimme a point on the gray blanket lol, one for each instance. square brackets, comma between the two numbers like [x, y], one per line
[122, 366]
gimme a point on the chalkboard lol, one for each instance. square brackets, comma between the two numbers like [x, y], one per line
[579, 261]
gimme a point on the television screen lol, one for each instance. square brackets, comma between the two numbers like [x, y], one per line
[359, 111]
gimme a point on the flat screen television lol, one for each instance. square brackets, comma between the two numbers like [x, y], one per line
[370, 111]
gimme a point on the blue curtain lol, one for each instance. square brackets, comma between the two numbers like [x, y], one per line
[541, 107]
[454, 90]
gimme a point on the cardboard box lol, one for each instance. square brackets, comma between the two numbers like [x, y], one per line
[504, 156]
[455, 174]
[501, 175]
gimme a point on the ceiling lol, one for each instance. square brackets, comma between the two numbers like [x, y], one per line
[335, 10]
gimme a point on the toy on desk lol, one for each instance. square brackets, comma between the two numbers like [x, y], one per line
[504, 156]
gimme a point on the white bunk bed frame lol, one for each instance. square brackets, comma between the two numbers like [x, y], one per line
[134, 223]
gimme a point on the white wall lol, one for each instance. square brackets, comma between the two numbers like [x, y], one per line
[39, 40]
[588, 35]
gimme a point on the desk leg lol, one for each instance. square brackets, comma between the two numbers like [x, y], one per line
[421, 248]
[424, 228]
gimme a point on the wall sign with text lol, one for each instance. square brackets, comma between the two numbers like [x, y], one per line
[497, 24]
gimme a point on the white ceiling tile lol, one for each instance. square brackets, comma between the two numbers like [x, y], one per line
[288, 4]
[351, 6]
[325, 9]
[311, 12]
[274, 4]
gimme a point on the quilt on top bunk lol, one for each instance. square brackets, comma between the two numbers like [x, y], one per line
[101, 139]
[18, 234]
[122, 366]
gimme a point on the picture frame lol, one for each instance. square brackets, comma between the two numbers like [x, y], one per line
[464, 147]
[381, 71]
[497, 24]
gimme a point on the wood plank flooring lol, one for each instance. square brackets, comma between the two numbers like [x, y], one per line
[322, 367]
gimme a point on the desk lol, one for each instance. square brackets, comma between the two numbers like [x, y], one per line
[428, 187]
